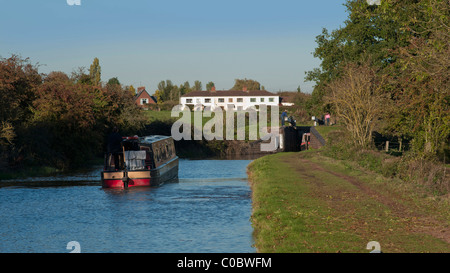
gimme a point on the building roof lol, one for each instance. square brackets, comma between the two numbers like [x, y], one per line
[229, 93]
[141, 91]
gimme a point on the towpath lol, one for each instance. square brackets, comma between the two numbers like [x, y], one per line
[342, 207]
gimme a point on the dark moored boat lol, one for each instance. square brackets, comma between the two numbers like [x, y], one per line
[145, 161]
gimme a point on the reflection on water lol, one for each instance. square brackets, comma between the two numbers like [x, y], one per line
[208, 210]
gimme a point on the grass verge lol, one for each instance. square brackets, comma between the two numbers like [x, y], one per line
[305, 202]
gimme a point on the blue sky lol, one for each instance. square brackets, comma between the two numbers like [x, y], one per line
[144, 42]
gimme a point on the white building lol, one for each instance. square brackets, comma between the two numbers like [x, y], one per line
[232, 99]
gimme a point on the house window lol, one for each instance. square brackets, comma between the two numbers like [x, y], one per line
[207, 100]
[221, 100]
[262, 99]
[144, 101]
[188, 100]
[230, 100]
[240, 100]
[271, 99]
[252, 99]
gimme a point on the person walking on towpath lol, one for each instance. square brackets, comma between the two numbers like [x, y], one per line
[284, 116]
[327, 119]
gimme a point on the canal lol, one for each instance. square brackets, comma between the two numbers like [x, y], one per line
[208, 211]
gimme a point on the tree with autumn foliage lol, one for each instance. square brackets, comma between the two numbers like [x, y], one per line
[95, 72]
[422, 86]
[57, 120]
[19, 80]
[358, 99]
[250, 84]
[407, 44]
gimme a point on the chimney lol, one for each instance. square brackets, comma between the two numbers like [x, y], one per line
[245, 89]
[213, 89]
[141, 88]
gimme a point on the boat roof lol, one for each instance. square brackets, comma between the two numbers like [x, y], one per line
[152, 139]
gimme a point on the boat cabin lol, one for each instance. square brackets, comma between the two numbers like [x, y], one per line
[142, 153]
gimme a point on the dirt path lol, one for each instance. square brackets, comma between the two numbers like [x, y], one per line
[370, 210]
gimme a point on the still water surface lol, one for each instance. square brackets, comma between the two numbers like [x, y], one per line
[208, 210]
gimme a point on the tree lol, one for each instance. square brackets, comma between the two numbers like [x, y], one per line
[95, 72]
[174, 93]
[168, 91]
[408, 47]
[132, 90]
[185, 88]
[64, 113]
[197, 86]
[374, 31]
[74, 118]
[164, 90]
[120, 110]
[57, 120]
[19, 80]
[157, 95]
[79, 76]
[421, 83]
[209, 86]
[113, 81]
[7, 134]
[239, 84]
[358, 100]
[63, 102]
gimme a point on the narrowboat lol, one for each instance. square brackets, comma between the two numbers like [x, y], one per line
[144, 161]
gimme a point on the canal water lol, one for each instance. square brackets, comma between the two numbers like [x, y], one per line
[208, 211]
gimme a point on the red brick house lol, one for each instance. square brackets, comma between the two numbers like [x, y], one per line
[143, 98]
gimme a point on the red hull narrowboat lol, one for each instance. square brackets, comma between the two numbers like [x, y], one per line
[145, 162]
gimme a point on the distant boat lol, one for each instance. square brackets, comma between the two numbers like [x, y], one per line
[145, 161]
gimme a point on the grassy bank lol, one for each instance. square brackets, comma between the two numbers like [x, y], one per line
[306, 202]
[28, 172]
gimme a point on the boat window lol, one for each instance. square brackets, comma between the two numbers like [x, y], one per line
[156, 155]
[169, 151]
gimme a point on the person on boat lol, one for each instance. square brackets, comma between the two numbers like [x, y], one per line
[115, 146]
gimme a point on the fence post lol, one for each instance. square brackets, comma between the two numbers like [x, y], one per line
[387, 146]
